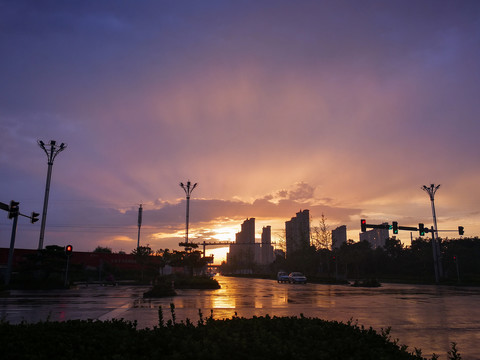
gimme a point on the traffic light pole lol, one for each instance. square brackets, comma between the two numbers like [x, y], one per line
[66, 271]
[14, 213]
[437, 263]
[10, 253]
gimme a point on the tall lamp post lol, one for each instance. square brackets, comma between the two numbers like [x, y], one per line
[52, 150]
[431, 190]
[188, 188]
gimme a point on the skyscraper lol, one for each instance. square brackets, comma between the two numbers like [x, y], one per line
[297, 232]
[339, 236]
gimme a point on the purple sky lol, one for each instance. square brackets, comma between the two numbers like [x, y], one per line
[342, 107]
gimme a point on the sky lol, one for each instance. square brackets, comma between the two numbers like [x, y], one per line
[345, 108]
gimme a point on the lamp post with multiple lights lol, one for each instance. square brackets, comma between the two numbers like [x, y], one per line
[52, 150]
[188, 188]
[431, 190]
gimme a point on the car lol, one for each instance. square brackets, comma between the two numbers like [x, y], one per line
[282, 276]
[297, 278]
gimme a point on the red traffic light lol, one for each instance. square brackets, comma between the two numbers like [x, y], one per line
[363, 225]
[68, 250]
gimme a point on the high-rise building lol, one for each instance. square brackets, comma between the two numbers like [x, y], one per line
[242, 253]
[376, 237]
[297, 232]
[245, 252]
[339, 236]
[267, 255]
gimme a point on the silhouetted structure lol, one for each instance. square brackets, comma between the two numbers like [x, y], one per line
[339, 236]
[297, 232]
[188, 188]
[267, 255]
[376, 237]
[51, 150]
[242, 254]
[245, 253]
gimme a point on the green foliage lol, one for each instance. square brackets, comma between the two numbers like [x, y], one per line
[236, 338]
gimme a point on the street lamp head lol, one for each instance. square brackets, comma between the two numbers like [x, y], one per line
[188, 188]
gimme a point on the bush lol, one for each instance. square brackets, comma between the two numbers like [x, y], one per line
[237, 338]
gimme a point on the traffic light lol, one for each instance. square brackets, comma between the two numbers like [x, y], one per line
[421, 229]
[13, 209]
[34, 217]
[395, 227]
[460, 230]
[68, 250]
[363, 225]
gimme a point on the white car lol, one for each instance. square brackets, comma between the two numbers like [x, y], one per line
[297, 278]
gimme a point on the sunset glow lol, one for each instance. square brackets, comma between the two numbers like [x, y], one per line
[270, 106]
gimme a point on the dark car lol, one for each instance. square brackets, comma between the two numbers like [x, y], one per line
[297, 278]
[282, 276]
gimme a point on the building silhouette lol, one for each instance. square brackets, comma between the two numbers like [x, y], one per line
[297, 233]
[376, 237]
[245, 253]
[339, 236]
[266, 251]
[242, 253]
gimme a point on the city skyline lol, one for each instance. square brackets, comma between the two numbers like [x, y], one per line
[346, 109]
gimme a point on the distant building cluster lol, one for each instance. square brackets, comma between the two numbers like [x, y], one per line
[245, 252]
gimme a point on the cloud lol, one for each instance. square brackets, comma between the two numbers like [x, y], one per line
[270, 106]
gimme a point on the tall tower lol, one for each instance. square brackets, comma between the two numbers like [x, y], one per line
[297, 232]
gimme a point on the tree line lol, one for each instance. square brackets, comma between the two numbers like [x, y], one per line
[357, 260]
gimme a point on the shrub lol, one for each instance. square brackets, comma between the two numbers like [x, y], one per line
[236, 338]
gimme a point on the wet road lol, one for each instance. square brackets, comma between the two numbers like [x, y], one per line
[426, 317]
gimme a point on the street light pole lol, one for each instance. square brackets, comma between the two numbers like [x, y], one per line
[188, 188]
[52, 150]
[140, 211]
[435, 242]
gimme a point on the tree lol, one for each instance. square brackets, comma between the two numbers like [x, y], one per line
[281, 242]
[142, 255]
[101, 249]
[321, 236]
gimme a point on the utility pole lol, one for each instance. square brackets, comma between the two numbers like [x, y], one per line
[140, 211]
[437, 256]
[188, 188]
[52, 151]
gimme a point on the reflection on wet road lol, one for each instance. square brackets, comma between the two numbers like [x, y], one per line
[426, 317]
